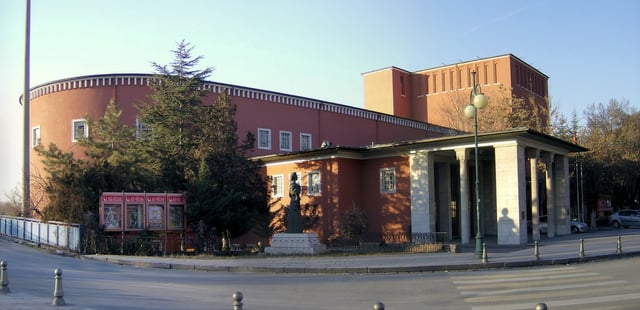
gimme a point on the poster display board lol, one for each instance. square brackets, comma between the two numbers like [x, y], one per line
[138, 211]
[134, 211]
[111, 211]
[177, 205]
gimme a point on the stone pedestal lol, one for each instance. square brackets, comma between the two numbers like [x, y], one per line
[295, 244]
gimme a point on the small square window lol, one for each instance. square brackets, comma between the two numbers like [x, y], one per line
[35, 136]
[277, 183]
[264, 139]
[305, 141]
[388, 180]
[79, 129]
[285, 140]
[313, 188]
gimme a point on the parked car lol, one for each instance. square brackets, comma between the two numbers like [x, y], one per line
[579, 227]
[625, 218]
[576, 226]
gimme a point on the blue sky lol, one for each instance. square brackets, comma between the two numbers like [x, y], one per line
[589, 49]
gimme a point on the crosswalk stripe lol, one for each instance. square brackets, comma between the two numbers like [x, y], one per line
[538, 289]
[521, 279]
[563, 303]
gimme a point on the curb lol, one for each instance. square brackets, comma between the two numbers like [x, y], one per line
[371, 269]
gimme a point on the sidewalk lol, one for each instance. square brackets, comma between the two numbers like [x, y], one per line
[561, 250]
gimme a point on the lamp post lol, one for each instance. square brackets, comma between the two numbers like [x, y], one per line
[477, 100]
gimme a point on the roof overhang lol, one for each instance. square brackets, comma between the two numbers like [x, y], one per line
[521, 136]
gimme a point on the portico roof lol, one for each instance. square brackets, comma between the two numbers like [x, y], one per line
[524, 136]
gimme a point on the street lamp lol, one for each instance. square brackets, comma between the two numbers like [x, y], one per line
[477, 100]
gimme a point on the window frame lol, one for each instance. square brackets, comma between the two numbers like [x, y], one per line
[384, 172]
[310, 141]
[74, 137]
[141, 129]
[313, 189]
[277, 185]
[268, 136]
[36, 137]
[288, 140]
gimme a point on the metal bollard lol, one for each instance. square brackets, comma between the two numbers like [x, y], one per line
[536, 252]
[58, 294]
[619, 247]
[237, 301]
[484, 253]
[581, 254]
[541, 306]
[378, 306]
[4, 278]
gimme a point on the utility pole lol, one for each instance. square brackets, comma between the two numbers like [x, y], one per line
[26, 148]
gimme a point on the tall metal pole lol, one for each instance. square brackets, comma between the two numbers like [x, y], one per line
[479, 237]
[26, 171]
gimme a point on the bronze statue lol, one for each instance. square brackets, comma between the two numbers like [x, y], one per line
[294, 218]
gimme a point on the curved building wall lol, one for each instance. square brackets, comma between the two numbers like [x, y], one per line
[55, 105]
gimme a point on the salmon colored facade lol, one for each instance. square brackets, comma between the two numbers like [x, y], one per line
[56, 105]
[348, 180]
[408, 175]
[425, 95]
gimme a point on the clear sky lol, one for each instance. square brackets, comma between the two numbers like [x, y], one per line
[589, 49]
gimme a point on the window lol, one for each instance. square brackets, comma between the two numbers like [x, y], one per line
[35, 136]
[285, 140]
[305, 142]
[264, 139]
[388, 180]
[277, 183]
[313, 189]
[402, 85]
[79, 130]
[141, 129]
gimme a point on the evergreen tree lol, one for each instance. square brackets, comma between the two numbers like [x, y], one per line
[194, 148]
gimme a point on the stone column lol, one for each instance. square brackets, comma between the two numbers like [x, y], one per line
[423, 205]
[535, 201]
[551, 205]
[443, 204]
[561, 194]
[465, 220]
[510, 194]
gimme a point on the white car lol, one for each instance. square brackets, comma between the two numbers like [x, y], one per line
[576, 226]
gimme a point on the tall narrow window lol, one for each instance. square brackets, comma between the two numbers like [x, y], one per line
[264, 138]
[426, 84]
[141, 130]
[387, 180]
[313, 189]
[305, 142]
[79, 129]
[451, 80]
[435, 85]
[285, 140]
[402, 85]
[35, 136]
[277, 183]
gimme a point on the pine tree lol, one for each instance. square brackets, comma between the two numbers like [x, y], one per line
[194, 148]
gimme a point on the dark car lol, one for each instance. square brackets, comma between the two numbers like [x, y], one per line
[625, 218]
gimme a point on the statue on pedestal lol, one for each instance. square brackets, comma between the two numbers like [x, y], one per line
[294, 218]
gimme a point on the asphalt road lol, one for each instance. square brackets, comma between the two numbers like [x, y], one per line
[89, 284]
